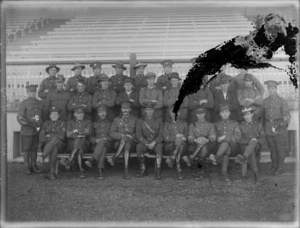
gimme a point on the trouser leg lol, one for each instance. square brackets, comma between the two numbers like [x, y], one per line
[271, 141]
[250, 149]
[280, 150]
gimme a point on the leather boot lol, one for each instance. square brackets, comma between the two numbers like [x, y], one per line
[179, 171]
[272, 170]
[52, 176]
[158, 174]
[35, 169]
[256, 176]
[278, 171]
[27, 163]
[126, 173]
[100, 174]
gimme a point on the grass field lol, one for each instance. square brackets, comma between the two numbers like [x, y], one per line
[36, 198]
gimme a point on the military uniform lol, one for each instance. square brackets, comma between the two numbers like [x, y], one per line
[59, 99]
[105, 97]
[93, 82]
[249, 142]
[30, 118]
[148, 131]
[275, 112]
[140, 79]
[194, 103]
[148, 94]
[250, 93]
[163, 81]
[72, 82]
[117, 81]
[169, 99]
[48, 83]
[52, 137]
[83, 98]
[100, 133]
[133, 98]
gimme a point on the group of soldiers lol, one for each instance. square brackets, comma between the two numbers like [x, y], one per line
[124, 114]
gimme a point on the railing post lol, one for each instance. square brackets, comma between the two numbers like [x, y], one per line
[132, 63]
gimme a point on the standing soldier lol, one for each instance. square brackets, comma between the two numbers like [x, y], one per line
[163, 81]
[48, 84]
[228, 134]
[249, 95]
[93, 82]
[151, 94]
[249, 143]
[105, 96]
[201, 136]
[149, 134]
[131, 96]
[276, 118]
[123, 132]
[140, 79]
[202, 99]
[52, 137]
[30, 118]
[175, 137]
[72, 82]
[101, 140]
[117, 80]
[81, 97]
[170, 97]
[78, 133]
[59, 98]
[224, 96]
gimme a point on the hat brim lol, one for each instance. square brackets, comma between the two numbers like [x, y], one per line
[135, 67]
[48, 68]
[124, 68]
[75, 67]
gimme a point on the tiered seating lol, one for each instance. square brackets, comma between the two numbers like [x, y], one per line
[176, 34]
[19, 26]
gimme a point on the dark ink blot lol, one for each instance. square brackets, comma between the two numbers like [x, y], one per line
[244, 52]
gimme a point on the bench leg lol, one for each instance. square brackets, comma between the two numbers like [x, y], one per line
[56, 166]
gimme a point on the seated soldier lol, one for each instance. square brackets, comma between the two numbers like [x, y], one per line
[78, 132]
[151, 94]
[123, 132]
[170, 97]
[201, 135]
[81, 97]
[175, 136]
[149, 134]
[101, 139]
[131, 96]
[52, 138]
[227, 134]
[105, 96]
[249, 143]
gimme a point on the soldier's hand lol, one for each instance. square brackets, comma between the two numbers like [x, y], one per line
[203, 101]
[220, 139]
[183, 138]
[151, 145]
[178, 135]
[190, 138]
[75, 131]
[46, 90]
[154, 101]
[84, 105]
[131, 100]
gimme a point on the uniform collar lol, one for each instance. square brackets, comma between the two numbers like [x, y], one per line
[152, 87]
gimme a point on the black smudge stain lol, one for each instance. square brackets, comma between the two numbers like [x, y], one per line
[210, 62]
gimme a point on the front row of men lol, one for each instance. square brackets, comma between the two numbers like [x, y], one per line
[194, 143]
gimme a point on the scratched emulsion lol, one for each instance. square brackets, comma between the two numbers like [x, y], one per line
[244, 52]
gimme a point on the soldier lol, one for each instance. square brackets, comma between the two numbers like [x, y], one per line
[249, 143]
[101, 140]
[249, 95]
[93, 82]
[81, 97]
[175, 137]
[117, 80]
[52, 137]
[201, 136]
[163, 81]
[151, 94]
[224, 96]
[30, 118]
[123, 132]
[131, 96]
[78, 133]
[59, 98]
[170, 97]
[48, 84]
[202, 99]
[276, 118]
[72, 82]
[105, 96]
[140, 79]
[227, 135]
[149, 134]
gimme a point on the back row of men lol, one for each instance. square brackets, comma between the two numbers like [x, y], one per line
[140, 126]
